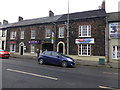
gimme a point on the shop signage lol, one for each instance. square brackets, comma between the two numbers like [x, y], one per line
[34, 42]
[52, 40]
[114, 30]
[85, 41]
[11, 42]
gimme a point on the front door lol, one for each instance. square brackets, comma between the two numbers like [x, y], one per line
[61, 48]
[21, 51]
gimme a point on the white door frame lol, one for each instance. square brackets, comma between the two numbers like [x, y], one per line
[21, 44]
[63, 46]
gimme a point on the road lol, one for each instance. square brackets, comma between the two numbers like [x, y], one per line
[27, 73]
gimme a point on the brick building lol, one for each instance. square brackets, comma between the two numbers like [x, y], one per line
[86, 34]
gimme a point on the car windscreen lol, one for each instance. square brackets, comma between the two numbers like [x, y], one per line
[1, 50]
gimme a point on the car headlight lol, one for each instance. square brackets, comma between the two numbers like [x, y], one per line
[69, 59]
[1, 53]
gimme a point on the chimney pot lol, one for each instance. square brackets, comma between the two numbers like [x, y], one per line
[20, 18]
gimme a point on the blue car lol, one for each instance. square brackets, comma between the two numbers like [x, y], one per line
[56, 58]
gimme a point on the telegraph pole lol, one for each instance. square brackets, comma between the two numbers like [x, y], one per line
[68, 30]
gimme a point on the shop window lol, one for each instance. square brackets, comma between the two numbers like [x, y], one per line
[85, 31]
[116, 52]
[32, 48]
[61, 32]
[84, 49]
[12, 48]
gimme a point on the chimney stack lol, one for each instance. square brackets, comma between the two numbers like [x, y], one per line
[51, 14]
[103, 4]
[20, 18]
[5, 22]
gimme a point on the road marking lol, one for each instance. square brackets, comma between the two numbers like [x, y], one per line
[110, 73]
[32, 74]
[107, 87]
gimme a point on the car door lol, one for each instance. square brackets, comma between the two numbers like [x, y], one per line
[47, 57]
[56, 58]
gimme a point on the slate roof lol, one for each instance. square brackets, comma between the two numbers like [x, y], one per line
[5, 26]
[57, 18]
[84, 15]
[115, 16]
[36, 21]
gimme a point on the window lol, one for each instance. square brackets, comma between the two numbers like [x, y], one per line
[22, 35]
[85, 31]
[32, 48]
[3, 33]
[13, 35]
[32, 34]
[12, 47]
[61, 32]
[84, 49]
[47, 53]
[55, 54]
[116, 52]
[47, 33]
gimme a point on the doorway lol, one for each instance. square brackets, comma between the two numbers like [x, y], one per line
[61, 47]
[21, 52]
[21, 48]
[47, 46]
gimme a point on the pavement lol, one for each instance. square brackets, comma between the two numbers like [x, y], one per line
[94, 61]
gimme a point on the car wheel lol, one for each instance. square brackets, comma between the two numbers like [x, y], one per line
[41, 61]
[64, 64]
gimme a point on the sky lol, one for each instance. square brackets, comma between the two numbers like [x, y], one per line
[28, 9]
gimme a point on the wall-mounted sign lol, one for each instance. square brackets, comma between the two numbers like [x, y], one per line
[11, 42]
[52, 40]
[34, 42]
[85, 41]
[114, 30]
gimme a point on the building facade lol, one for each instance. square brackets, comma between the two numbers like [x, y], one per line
[3, 34]
[86, 34]
[113, 36]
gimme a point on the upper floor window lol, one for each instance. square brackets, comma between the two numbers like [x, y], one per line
[85, 31]
[3, 33]
[61, 32]
[13, 35]
[22, 35]
[32, 34]
[47, 33]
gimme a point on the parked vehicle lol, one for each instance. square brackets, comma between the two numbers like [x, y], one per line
[56, 58]
[4, 54]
